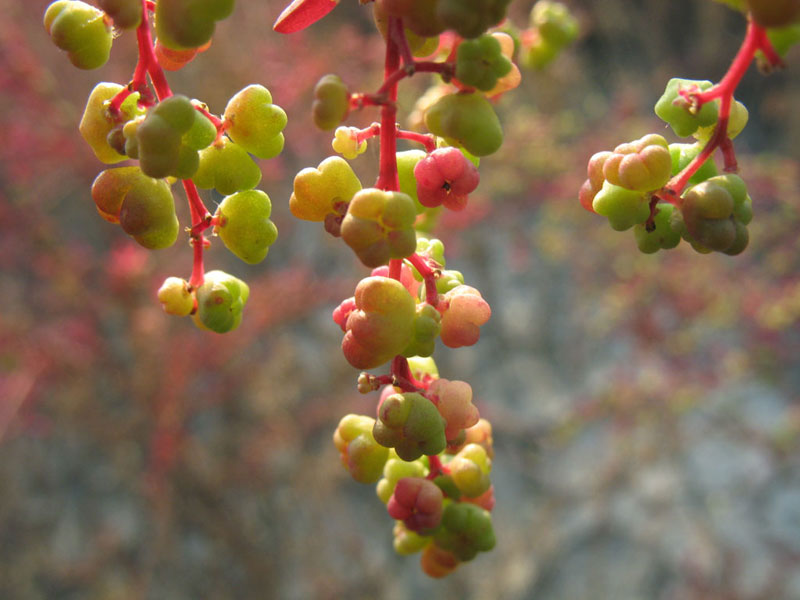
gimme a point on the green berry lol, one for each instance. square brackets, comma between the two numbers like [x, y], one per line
[81, 30]
[480, 62]
[175, 297]
[675, 110]
[254, 122]
[331, 102]
[227, 167]
[189, 23]
[469, 120]
[220, 300]
[623, 208]
[662, 236]
[97, 123]
[244, 225]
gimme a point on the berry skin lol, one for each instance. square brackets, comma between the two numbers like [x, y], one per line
[467, 118]
[254, 122]
[714, 215]
[453, 400]
[437, 562]
[411, 425]
[673, 109]
[380, 326]
[466, 530]
[662, 237]
[324, 190]
[406, 163]
[470, 469]
[463, 312]
[244, 225]
[226, 167]
[220, 301]
[470, 18]
[394, 470]
[379, 226]
[445, 177]
[184, 24]
[480, 63]
[361, 455]
[81, 30]
[623, 208]
[331, 102]
[97, 123]
[346, 143]
[127, 14]
[554, 23]
[407, 541]
[774, 13]
[643, 165]
[426, 328]
[175, 297]
[419, 16]
[417, 502]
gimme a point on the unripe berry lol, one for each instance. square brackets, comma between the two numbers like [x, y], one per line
[127, 14]
[361, 455]
[480, 62]
[774, 13]
[175, 297]
[674, 109]
[254, 122]
[662, 236]
[419, 16]
[324, 190]
[623, 208]
[467, 118]
[81, 30]
[244, 225]
[379, 226]
[466, 530]
[220, 301]
[189, 23]
[418, 503]
[227, 167]
[470, 19]
[331, 102]
[463, 312]
[97, 122]
[643, 165]
[445, 177]
[411, 425]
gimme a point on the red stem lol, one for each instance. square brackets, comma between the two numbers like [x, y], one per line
[426, 139]
[428, 275]
[755, 40]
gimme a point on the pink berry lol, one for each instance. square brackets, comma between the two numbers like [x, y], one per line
[445, 177]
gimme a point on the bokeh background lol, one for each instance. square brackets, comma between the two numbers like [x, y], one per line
[646, 409]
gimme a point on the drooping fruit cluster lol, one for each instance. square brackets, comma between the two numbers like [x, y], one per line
[427, 448]
[174, 137]
[666, 193]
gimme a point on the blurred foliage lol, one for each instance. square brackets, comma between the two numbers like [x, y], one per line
[645, 408]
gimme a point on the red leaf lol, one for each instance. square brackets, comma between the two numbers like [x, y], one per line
[302, 13]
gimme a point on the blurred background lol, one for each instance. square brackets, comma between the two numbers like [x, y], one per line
[646, 409]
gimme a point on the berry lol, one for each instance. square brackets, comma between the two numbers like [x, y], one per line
[623, 208]
[662, 236]
[445, 177]
[346, 143]
[416, 502]
[175, 297]
[379, 226]
[407, 541]
[97, 122]
[715, 213]
[380, 326]
[331, 102]
[480, 63]
[411, 425]
[254, 122]
[419, 16]
[643, 165]
[467, 118]
[427, 325]
[674, 109]
[463, 312]
[393, 471]
[361, 455]
[127, 14]
[453, 400]
[470, 469]
[81, 30]
[466, 530]
[244, 226]
[226, 167]
[324, 190]
[554, 23]
[406, 163]
[774, 13]
[470, 18]
[189, 23]
[220, 300]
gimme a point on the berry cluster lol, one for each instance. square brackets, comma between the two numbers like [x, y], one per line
[426, 448]
[668, 192]
[174, 138]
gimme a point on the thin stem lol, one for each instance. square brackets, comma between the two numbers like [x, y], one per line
[426, 139]
[387, 178]
[428, 275]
